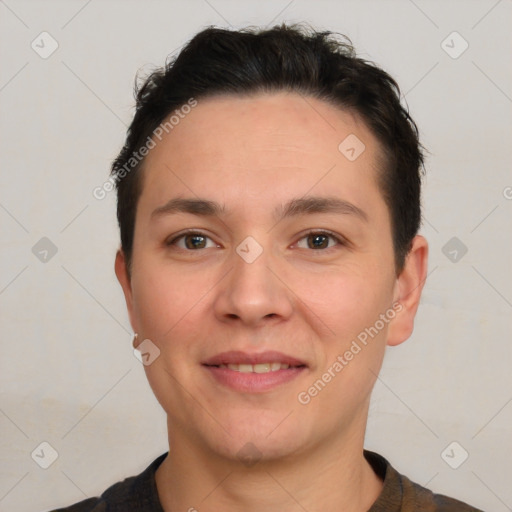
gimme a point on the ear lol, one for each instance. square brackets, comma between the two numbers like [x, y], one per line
[408, 288]
[125, 282]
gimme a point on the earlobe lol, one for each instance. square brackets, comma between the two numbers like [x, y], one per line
[409, 286]
[125, 282]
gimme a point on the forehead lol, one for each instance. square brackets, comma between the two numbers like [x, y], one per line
[284, 119]
[260, 146]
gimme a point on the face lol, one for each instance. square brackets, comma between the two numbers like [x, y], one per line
[259, 244]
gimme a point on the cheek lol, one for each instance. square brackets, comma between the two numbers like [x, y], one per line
[169, 307]
[167, 300]
[345, 299]
[155, 305]
[350, 304]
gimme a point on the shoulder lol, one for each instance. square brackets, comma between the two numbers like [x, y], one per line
[417, 497]
[88, 505]
[121, 493]
[400, 494]
[133, 493]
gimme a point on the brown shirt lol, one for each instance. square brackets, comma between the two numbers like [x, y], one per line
[399, 494]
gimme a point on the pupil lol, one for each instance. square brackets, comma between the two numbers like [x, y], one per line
[318, 238]
[193, 242]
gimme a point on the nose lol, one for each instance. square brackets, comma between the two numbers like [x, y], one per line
[253, 292]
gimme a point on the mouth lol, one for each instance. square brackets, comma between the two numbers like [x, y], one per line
[257, 368]
[253, 373]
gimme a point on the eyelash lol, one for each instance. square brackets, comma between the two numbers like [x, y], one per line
[341, 241]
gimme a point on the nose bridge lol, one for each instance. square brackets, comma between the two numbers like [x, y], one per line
[252, 291]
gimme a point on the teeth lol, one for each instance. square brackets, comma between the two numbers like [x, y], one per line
[244, 368]
[262, 368]
[256, 368]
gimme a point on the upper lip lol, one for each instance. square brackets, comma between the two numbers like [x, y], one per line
[239, 357]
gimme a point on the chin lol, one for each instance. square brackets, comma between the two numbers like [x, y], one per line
[257, 439]
[250, 452]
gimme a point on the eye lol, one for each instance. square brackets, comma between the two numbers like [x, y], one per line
[194, 240]
[191, 240]
[319, 240]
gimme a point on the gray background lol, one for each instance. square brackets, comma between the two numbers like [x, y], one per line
[68, 375]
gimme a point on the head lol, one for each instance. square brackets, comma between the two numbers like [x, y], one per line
[286, 137]
[219, 62]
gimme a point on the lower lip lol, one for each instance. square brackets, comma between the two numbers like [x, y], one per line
[251, 382]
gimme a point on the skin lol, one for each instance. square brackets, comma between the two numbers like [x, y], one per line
[253, 154]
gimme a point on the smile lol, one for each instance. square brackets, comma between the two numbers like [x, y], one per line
[256, 368]
[257, 378]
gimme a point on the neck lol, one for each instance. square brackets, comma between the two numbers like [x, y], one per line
[333, 477]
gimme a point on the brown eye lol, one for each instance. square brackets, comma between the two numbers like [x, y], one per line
[191, 241]
[319, 240]
[195, 241]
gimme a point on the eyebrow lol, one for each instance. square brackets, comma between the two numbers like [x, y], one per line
[295, 207]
